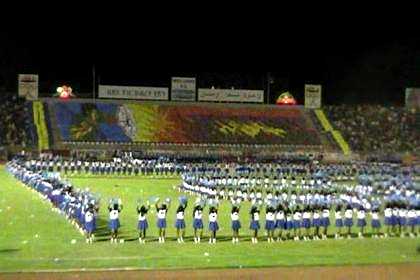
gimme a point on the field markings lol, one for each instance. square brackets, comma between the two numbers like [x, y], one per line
[80, 270]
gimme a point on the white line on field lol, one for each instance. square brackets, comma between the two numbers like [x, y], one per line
[79, 270]
[100, 258]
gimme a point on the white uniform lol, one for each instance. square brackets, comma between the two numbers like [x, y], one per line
[280, 215]
[234, 216]
[212, 217]
[161, 214]
[388, 212]
[113, 214]
[361, 214]
[402, 213]
[88, 217]
[269, 216]
[306, 215]
[198, 214]
[256, 216]
[348, 214]
[180, 215]
[297, 216]
[338, 215]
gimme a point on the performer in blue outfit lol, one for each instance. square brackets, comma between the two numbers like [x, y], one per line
[162, 211]
[115, 207]
[90, 224]
[255, 223]
[236, 224]
[180, 219]
[142, 224]
[198, 221]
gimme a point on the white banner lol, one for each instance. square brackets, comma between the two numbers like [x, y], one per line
[313, 96]
[183, 89]
[128, 92]
[230, 95]
[28, 86]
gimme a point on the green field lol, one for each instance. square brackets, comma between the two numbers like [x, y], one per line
[33, 237]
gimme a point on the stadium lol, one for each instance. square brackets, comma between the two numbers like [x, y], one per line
[194, 178]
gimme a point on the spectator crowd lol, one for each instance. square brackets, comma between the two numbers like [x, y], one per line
[15, 122]
[375, 128]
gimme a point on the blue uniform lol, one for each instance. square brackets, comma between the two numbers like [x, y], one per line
[254, 225]
[361, 220]
[270, 224]
[142, 223]
[161, 221]
[280, 220]
[289, 223]
[376, 223]
[90, 224]
[213, 225]
[306, 223]
[348, 221]
[114, 224]
[180, 221]
[198, 224]
[198, 221]
[236, 224]
[316, 221]
[325, 220]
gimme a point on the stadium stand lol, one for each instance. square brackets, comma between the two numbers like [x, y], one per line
[182, 123]
[16, 126]
[203, 128]
[374, 128]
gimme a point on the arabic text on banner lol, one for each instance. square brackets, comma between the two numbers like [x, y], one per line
[230, 95]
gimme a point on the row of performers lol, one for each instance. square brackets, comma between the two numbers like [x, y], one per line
[283, 220]
[103, 168]
[280, 223]
[153, 167]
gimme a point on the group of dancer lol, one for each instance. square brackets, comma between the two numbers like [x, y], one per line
[127, 166]
[300, 205]
[80, 207]
[281, 223]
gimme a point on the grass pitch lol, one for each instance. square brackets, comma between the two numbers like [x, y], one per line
[33, 237]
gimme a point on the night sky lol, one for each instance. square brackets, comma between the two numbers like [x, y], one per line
[351, 67]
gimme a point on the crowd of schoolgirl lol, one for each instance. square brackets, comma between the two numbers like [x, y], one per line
[285, 208]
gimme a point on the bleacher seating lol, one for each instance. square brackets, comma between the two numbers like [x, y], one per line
[16, 127]
[374, 128]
